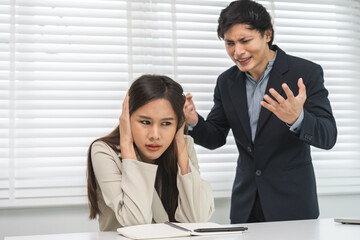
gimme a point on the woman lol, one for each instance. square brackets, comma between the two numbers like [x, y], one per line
[146, 170]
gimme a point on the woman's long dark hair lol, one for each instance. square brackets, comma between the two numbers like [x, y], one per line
[143, 90]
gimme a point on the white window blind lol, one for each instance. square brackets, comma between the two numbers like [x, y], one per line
[65, 67]
[201, 57]
[69, 72]
[6, 98]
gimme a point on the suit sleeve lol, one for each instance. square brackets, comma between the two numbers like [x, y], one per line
[196, 201]
[318, 128]
[212, 132]
[127, 187]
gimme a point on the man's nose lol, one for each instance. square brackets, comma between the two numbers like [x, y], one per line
[239, 50]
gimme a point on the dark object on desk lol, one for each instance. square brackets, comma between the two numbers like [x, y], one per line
[348, 220]
[221, 229]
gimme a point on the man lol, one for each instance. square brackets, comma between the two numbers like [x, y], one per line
[276, 106]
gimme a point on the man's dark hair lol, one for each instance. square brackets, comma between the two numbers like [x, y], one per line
[245, 12]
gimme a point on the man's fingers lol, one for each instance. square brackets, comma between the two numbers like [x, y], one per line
[269, 100]
[276, 95]
[189, 104]
[267, 106]
[302, 88]
[289, 93]
[188, 97]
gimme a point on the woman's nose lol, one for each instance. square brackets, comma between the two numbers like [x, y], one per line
[154, 132]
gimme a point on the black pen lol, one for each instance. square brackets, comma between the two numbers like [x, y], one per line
[221, 229]
[177, 226]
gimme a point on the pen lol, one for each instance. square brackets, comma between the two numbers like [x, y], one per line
[177, 226]
[221, 229]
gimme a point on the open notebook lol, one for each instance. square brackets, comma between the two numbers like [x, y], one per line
[168, 230]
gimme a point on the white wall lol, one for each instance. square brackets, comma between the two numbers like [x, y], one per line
[75, 218]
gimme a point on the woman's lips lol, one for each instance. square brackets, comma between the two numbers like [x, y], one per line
[153, 147]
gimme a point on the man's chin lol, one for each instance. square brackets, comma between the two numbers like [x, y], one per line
[241, 68]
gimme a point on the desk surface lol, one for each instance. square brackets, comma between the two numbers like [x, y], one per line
[320, 229]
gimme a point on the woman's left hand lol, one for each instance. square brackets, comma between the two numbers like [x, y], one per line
[182, 154]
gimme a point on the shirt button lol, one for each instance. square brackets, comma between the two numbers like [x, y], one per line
[258, 172]
[249, 149]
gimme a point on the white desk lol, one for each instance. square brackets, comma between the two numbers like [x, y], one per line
[321, 229]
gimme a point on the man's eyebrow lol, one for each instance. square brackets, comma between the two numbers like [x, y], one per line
[241, 39]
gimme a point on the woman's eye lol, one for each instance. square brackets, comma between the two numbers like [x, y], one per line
[145, 122]
[166, 123]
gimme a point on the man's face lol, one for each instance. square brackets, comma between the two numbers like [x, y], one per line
[248, 49]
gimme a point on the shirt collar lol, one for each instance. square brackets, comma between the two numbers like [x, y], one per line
[265, 73]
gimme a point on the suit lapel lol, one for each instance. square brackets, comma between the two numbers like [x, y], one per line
[276, 79]
[238, 100]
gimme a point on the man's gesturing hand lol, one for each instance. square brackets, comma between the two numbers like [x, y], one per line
[287, 110]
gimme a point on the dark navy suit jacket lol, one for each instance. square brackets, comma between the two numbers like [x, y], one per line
[278, 163]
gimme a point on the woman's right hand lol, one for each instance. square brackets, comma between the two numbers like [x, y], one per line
[126, 138]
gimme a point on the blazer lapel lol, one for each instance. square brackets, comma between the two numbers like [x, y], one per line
[275, 81]
[159, 214]
[158, 210]
[238, 100]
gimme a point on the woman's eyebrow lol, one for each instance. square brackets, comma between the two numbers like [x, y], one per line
[163, 119]
[145, 117]
[168, 119]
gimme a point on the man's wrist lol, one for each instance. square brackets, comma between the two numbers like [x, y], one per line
[295, 127]
[191, 127]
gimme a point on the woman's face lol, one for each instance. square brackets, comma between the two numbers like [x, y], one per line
[153, 127]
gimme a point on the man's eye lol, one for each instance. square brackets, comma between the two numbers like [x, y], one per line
[229, 43]
[166, 123]
[145, 122]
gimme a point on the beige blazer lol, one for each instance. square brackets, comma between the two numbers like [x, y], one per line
[126, 193]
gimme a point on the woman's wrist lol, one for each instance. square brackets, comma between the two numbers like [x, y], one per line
[182, 154]
[127, 151]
